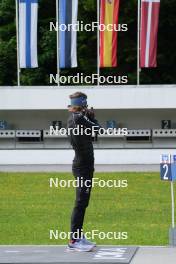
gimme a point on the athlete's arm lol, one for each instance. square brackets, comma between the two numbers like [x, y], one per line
[81, 119]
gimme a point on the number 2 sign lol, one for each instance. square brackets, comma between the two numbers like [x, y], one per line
[165, 168]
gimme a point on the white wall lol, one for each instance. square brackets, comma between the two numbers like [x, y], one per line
[131, 106]
[134, 156]
[122, 97]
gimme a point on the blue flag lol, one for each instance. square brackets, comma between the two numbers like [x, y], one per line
[28, 17]
[68, 12]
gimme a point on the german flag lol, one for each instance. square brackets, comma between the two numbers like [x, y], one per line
[109, 10]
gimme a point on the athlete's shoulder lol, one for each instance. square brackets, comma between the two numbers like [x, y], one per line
[77, 115]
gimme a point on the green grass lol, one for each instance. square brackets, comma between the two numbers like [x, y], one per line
[29, 208]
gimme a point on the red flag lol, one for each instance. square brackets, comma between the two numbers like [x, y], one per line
[149, 33]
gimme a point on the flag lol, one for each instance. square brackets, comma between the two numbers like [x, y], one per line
[28, 18]
[68, 12]
[109, 10]
[149, 33]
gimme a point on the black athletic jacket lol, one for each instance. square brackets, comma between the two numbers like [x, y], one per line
[82, 144]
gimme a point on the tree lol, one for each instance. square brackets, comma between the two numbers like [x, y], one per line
[87, 45]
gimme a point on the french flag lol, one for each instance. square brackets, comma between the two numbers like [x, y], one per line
[68, 13]
[149, 33]
[28, 19]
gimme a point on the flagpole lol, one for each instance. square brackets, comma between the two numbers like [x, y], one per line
[138, 43]
[57, 35]
[98, 41]
[173, 205]
[17, 41]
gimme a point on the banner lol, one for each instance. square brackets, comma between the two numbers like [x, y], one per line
[109, 11]
[149, 33]
[68, 12]
[28, 18]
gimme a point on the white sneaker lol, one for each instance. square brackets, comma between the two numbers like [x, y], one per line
[87, 242]
[80, 246]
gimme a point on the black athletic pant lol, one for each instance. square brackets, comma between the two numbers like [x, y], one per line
[82, 199]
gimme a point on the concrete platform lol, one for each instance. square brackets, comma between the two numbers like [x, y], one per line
[102, 254]
[68, 168]
[59, 254]
[155, 255]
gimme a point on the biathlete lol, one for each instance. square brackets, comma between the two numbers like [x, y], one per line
[82, 167]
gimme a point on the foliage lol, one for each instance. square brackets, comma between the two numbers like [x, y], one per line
[165, 73]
